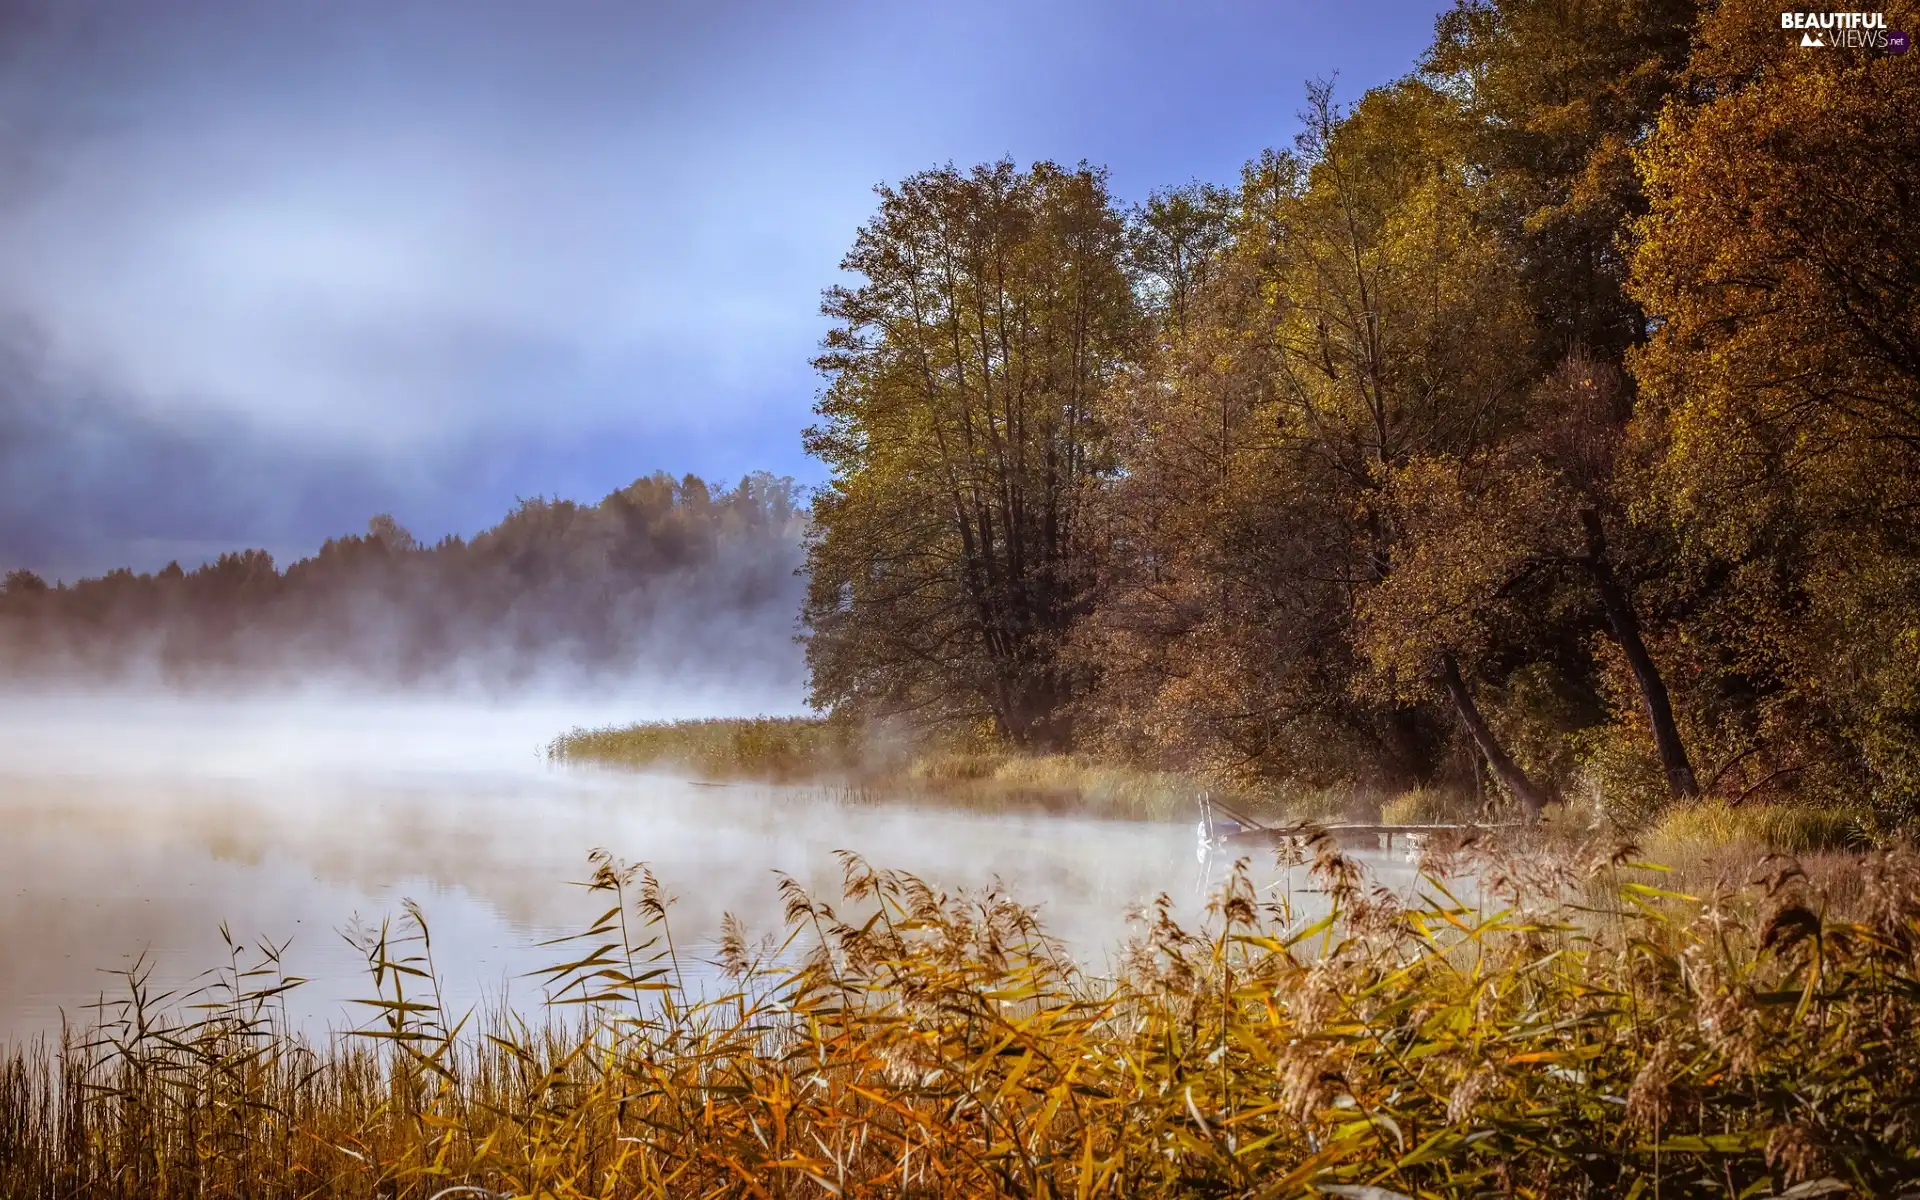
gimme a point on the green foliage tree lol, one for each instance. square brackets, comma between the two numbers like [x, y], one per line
[949, 560]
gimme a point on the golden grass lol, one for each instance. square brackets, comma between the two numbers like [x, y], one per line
[1513, 1043]
[1056, 782]
[776, 749]
[809, 750]
[800, 750]
[1422, 806]
[1711, 826]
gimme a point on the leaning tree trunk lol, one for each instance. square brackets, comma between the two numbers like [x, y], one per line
[1617, 604]
[1505, 769]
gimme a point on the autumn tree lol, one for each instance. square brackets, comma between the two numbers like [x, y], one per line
[1553, 97]
[1549, 101]
[1407, 335]
[990, 314]
[22, 582]
[1173, 242]
[1469, 538]
[1220, 636]
[1403, 332]
[668, 572]
[1781, 397]
[1521, 553]
[391, 535]
[1356, 322]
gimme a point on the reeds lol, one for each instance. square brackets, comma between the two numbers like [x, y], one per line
[805, 750]
[775, 749]
[1521, 1040]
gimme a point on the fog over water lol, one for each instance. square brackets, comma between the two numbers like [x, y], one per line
[138, 823]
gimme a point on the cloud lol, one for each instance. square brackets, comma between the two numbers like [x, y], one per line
[87, 484]
[282, 265]
[377, 233]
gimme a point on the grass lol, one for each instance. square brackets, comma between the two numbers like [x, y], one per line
[1525, 1042]
[1710, 826]
[1055, 782]
[1421, 806]
[801, 750]
[775, 749]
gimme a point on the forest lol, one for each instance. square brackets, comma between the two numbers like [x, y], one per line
[1537, 432]
[1544, 423]
[665, 574]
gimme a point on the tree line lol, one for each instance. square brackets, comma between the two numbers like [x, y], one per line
[1549, 417]
[663, 574]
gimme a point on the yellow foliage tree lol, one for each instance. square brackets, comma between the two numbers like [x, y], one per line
[1781, 391]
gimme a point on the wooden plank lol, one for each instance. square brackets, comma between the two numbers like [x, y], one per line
[1348, 832]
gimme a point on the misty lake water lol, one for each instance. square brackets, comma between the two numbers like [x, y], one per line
[135, 826]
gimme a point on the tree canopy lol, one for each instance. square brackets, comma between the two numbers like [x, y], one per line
[1546, 418]
[963, 424]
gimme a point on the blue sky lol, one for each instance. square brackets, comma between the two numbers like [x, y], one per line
[274, 266]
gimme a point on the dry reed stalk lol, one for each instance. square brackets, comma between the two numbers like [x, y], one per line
[1546, 1037]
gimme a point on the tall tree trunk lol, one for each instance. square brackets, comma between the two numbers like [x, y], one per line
[1617, 604]
[1505, 769]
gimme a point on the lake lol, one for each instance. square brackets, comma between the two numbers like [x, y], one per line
[134, 826]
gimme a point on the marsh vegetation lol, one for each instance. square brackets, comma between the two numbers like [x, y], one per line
[978, 774]
[1570, 1028]
[834, 757]
[1537, 435]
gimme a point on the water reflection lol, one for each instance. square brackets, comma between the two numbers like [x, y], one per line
[152, 824]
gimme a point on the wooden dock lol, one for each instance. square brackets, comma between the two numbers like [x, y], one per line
[1222, 828]
[1348, 835]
